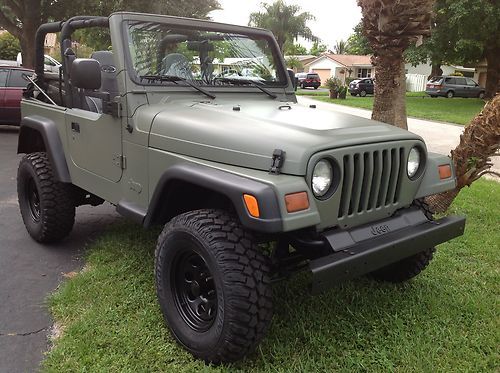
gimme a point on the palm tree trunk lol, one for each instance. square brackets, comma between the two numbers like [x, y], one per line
[471, 158]
[389, 105]
[492, 75]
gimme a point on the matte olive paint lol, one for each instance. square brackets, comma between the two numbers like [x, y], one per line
[177, 125]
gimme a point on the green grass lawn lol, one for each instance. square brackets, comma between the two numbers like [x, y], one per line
[447, 319]
[418, 105]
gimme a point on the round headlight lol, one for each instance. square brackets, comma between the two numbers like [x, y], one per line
[414, 159]
[322, 178]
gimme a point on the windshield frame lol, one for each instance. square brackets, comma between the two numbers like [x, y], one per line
[178, 22]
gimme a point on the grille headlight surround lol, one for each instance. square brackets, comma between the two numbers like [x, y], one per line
[322, 178]
[414, 162]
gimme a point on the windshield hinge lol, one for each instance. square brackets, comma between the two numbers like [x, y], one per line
[278, 161]
[113, 107]
[120, 161]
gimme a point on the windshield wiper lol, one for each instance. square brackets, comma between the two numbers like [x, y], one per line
[248, 82]
[175, 79]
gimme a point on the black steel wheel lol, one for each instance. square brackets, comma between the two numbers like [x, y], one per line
[33, 200]
[213, 285]
[193, 289]
[47, 206]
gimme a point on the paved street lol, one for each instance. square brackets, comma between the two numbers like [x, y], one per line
[439, 137]
[29, 271]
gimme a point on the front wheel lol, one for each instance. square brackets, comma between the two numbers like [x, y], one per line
[481, 95]
[450, 94]
[362, 93]
[410, 267]
[213, 285]
[47, 205]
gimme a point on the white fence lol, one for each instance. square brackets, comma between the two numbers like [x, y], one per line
[415, 82]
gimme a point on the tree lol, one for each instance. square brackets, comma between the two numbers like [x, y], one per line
[340, 47]
[390, 27]
[318, 48]
[294, 63]
[471, 158]
[287, 22]
[464, 32]
[23, 17]
[292, 49]
[9, 46]
[357, 43]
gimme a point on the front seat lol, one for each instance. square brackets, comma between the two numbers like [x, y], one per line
[176, 64]
[109, 82]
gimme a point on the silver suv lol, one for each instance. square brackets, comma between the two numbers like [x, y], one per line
[453, 86]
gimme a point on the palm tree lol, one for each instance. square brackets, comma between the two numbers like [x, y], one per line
[287, 22]
[471, 158]
[340, 47]
[390, 27]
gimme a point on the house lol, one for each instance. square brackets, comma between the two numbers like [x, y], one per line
[303, 60]
[341, 66]
[344, 66]
[50, 43]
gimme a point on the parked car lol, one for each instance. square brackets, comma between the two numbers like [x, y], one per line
[361, 87]
[307, 80]
[453, 86]
[12, 84]
[50, 63]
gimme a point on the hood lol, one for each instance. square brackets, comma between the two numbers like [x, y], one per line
[247, 135]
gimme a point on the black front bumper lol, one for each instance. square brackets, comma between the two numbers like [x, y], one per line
[367, 248]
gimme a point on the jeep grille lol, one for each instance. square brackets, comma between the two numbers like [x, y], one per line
[371, 180]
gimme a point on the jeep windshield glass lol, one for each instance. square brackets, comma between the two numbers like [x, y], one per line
[203, 57]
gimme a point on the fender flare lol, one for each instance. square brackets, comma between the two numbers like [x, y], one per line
[49, 134]
[232, 186]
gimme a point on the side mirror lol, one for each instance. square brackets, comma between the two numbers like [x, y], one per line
[291, 74]
[86, 73]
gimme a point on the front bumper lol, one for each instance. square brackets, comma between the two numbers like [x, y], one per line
[367, 248]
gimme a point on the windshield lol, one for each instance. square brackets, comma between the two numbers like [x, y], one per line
[209, 58]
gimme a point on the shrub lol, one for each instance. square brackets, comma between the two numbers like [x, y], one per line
[9, 46]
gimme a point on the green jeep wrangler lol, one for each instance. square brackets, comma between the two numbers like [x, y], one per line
[195, 125]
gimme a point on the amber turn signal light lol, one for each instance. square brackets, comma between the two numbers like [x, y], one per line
[252, 205]
[297, 202]
[444, 171]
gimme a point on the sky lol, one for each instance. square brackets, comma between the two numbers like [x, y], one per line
[335, 19]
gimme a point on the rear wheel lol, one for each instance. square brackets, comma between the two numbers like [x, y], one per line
[213, 285]
[410, 267]
[450, 94]
[362, 93]
[47, 206]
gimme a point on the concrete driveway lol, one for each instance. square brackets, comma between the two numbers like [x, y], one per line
[30, 271]
[439, 137]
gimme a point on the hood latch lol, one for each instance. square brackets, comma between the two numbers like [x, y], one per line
[278, 161]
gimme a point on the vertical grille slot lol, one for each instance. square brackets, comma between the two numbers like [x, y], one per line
[359, 171]
[348, 165]
[371, 180]
[402, 171]
[377, 177]
[367, 181]
[385, 178]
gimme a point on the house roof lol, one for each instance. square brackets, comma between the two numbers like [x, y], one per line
[346, 60]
